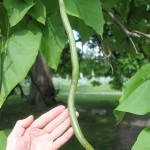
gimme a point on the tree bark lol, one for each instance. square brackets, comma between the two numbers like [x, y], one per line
[42, 90]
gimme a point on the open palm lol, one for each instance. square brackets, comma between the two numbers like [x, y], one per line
[49, 132]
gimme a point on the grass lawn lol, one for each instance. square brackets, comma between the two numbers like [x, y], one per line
[64, 86]
[98, 128]
[89, 88]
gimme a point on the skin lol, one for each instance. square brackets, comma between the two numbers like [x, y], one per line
[49, 132]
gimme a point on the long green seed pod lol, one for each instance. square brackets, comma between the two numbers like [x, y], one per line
[75, 74]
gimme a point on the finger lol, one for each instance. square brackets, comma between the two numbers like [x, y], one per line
[41, 143]
[56, 122]
[64, 138]
[61, 129]
[21, 125]
[44, 119]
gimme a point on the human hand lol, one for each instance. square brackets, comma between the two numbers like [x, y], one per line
[49, 132]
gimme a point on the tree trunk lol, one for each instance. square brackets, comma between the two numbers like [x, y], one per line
[42, 89]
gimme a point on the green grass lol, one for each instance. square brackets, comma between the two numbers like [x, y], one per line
[16, 108]
[91, 98]
[64, 86]
[88, 87]
[98, 129]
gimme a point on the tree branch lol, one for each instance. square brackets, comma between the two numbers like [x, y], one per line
[133, 33]
[142, 34]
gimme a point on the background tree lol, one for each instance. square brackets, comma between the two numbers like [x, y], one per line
[42, 88]
[125, 35]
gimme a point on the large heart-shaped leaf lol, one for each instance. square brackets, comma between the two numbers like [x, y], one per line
[38, 11]
[22, 50]
[51, 6]
[54, 40]
[142, 142]
[84, 30]
[29, 1]
[16, 10]
[3, 24]
[90, 11]
[3, 139]
[136, 98]
[107, 4]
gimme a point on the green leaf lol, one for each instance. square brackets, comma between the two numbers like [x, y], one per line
[146, 47]
[51, 6]
[142, 142]
[54, 40]
[107, 4]
[3, 25]
[123, 7]
[2, 58]
[38, 11]
[90, 11]
[16, 10]
[136, 98]
[140, 77]
[29, 1]
[22, 50]
[84, 30]
[3, 139]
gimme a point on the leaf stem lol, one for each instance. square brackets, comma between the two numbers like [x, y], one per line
[75, 74]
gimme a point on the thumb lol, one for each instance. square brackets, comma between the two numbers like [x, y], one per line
[21, 125]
